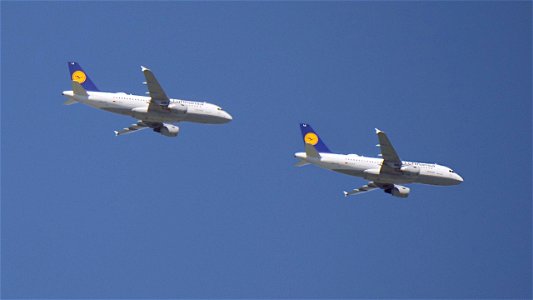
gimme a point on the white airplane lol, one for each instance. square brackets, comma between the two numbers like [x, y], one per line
[156, 111]
[385, 173]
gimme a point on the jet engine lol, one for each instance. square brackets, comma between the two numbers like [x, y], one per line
[410, 170]
[398, 191]
[177, 108]
[168, 130]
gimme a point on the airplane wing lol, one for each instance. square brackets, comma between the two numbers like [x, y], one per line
[365, 188]
[391, 160]
[160, 100]
[132, 128]
[138, 126]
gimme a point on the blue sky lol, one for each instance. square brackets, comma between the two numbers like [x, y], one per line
[220, 211]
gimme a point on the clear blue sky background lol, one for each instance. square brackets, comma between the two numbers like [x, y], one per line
[220, 211]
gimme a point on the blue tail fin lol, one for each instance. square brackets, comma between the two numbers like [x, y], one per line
[311, 137]
[77, 74]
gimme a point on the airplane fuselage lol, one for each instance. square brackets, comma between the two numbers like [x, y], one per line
[137, 107]
[369, 169]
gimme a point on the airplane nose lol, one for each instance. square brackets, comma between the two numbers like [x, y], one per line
[227, 116]
[459, 178]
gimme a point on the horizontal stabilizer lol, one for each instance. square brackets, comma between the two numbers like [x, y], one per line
[78, 89]
[301, 163]
[70, 102]
[310, 151]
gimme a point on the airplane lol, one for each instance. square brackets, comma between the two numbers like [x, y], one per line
[157, 111]
[386, 173]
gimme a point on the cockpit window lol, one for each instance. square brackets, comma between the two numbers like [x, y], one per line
[219, 108]
[451, 171]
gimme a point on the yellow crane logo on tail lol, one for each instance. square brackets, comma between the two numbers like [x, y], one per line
[79, 77]
[311, 138]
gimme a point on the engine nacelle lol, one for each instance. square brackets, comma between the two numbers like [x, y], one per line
[168, 130]
[410, 170]
[398, 191]
[177, 108]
